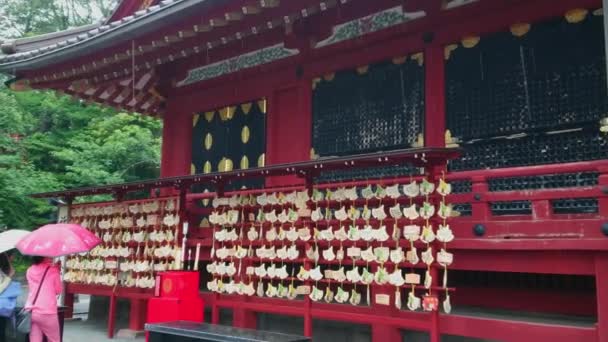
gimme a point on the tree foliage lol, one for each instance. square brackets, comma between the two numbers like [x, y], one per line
[50, 142]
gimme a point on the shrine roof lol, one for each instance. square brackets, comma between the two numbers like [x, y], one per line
[39, 51]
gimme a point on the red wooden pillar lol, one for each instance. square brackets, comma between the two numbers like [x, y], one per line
[434, 125]
[137, 314]
[289, 122]
[601, 284]
[434, 99]
[176, 154]
[68, 303]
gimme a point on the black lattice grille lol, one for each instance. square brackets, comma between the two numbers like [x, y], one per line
[357, 112]
[544, 182]
[552, 78]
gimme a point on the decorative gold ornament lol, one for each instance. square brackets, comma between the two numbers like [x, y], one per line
[329, 77]
[447, 50]
[225, 165]
[195, 119]
[207, 168]
[362, 69]
[399, 60]
[313, 154]
[604, 125]
[470, 41]
[244, 163]
[419, 141]
[262, 105]
[599, 12]
[245, 134]
[192, 169]
[520, 29]
[208, 141]
[205, 222]
[262, 160]
[227, 113]
[418, 57]
[209, 116]
[246, 107]
[576, 15]
[449, 140]
[205, 201]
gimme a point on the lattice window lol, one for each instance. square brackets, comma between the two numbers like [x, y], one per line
[379, 107]
[551, 79]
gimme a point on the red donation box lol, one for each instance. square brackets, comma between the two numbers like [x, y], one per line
[177, 298]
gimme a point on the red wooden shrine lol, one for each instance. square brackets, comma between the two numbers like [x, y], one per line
[175, 59]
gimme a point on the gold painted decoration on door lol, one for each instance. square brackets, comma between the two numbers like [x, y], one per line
[192, 169]
[209, 116]
[208, 141]
[195, 119]
[245, 134]
[207, 168]
[576, 15]
[262, 160]
[246, 107]
[227, 113]
[262, 105]
[244, 163]
[225, 165]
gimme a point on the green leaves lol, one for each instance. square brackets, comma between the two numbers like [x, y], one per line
[52, 143]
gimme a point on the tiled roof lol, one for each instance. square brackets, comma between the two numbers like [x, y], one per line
[21, 51]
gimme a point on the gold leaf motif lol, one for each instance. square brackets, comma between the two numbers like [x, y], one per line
[329, 77]
[207, 168]
[205, 201]
[262, 105]
[399, 60]
[225, 165]
[262, 160]
[192, 169]
[313, 154]
[208, 141]
[447, 50]
[576, 15]
[209, 116]
[246, 107]
[205, 222]
[520, 29]
[362, 69]
[418, 57]
[245, 134]
[419, 141]
[195, 119]
[244, 163]
[470, 41]
[227, 113]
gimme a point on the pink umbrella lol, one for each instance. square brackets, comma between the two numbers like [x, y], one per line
[55, 240]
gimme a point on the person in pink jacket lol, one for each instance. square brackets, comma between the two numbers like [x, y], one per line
[45, 321]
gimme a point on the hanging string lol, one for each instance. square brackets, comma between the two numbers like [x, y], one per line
[133, 71]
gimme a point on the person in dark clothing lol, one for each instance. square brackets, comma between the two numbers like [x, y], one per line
[6, 271]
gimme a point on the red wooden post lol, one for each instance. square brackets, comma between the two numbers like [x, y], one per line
[434, 128]
[288, 137]
[137, 314]
[177, 141]
[601, 284]
[68, 303]
[434, 90]
[111, 316]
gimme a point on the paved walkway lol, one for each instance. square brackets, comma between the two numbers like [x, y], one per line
[85, 330]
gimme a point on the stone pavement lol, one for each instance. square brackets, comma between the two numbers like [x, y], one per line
[83, 329]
